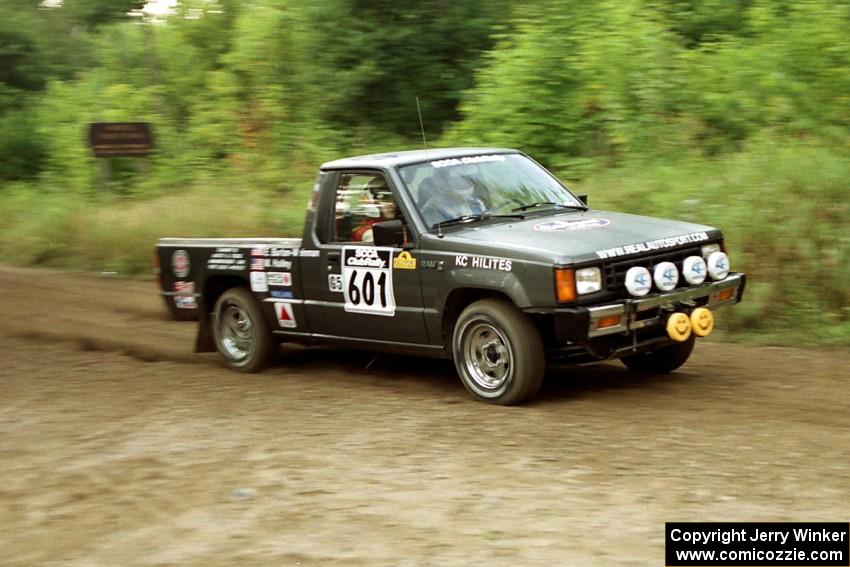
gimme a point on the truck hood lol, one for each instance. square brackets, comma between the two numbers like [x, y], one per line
[575, 237]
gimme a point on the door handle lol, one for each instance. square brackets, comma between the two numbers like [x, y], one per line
[333, 257]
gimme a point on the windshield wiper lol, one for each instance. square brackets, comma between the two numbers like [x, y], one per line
[474, 218]
[550, 203]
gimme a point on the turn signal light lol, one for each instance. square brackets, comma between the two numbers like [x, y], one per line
[725, 294]
[565, 285]
[606, 322]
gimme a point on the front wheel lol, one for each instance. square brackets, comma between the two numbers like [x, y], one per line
[661, 361]
[242, 336]
[498, 353]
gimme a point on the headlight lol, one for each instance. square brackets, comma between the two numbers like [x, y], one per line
[718, 265]
[588, 280]
[666, 276]
[709, 249]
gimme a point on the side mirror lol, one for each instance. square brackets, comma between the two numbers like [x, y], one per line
[583, 198]
[388, 233]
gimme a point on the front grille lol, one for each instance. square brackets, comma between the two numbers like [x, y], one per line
[615, 272]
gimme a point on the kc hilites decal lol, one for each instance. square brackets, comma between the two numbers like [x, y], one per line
[483, 263]
[368, 280]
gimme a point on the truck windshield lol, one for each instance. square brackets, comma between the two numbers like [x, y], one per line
[496, 183]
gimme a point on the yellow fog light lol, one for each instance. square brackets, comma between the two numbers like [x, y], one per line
[702, 321]
[679, 327]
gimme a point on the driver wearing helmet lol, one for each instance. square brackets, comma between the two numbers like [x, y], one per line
[445, 197]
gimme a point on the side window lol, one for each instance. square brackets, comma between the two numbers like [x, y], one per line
[362, 199]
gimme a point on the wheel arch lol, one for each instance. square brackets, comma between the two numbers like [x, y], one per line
[459, 299]
[214, 287]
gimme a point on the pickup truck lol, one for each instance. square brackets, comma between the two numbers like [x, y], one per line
[475, 254]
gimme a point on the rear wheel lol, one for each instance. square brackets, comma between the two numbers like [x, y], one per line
[498, 353]
[661, 361]
[242, 336]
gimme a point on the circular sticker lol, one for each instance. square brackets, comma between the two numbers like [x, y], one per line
[694, 270]
[180, 264]
[702, 321]
[666, 276]
[575, 224]
[679, 327]
[638, 281]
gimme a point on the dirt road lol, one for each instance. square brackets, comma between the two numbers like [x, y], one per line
[120, 447]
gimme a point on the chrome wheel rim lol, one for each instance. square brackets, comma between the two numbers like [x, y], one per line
[236, 331]
[487, 356]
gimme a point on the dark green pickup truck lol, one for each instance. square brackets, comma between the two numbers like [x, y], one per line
[474, 254]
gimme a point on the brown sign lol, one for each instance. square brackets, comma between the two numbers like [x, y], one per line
[120, 139]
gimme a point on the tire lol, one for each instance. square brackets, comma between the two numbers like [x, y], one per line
[498, 353]
[661, 361]
[241, 334]
[178, 314]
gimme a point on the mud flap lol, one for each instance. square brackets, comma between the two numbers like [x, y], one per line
[204, 340]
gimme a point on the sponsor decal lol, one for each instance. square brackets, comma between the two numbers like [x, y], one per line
[467, 160]
[259, 282]
[280, 278]
[404, 261]
[284, 314]
[277, 252]
[368, 280]
[571, 225]
[281, 293]
[483, 263]
[335, 283]
[227, 258]
[280, 263]
[180, 263]
[650, 245]
[308, 253]
[186, 299]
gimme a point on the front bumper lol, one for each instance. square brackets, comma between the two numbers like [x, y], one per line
[582, 323]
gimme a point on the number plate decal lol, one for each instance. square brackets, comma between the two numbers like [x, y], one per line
[368, 280]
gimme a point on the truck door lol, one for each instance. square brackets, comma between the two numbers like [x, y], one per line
[372, 292]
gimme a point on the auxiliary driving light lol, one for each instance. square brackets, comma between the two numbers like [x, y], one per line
[665, 276]
[694, 270]
[709, 249]
[718, 265]
[638, 281]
